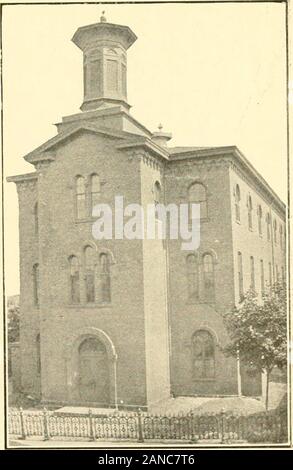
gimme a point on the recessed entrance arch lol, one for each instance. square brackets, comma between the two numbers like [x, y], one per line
[91, 368]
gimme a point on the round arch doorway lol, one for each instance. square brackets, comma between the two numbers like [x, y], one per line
[94, 380]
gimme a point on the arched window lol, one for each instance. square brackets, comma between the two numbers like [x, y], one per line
[249, 206]
[259, 218]
[252, 276]
[105, 278]
[157, 193]
[237, 203]
[192, 277]
[208, 277]
[197, 195]
[36, 218]
[74, 280]
[80, 198]
[95, 191]
[268, 221]
[240, 275]
[36, 284]
[89, 254]
[38, 354]
[275, 231]
[203, 355]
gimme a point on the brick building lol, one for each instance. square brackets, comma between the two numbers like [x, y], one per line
[131, 321]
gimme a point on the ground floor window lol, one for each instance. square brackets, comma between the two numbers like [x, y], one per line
[203, 355]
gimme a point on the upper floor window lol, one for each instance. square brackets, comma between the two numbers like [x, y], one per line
[208, 277]
[197, 194]
[36, 218]
[95, 191]
[203, 355]
[249, 206]
[237, 203]
[105, 279]
[192, 277]
[268, 221]
[240, 275]
[89, 255]
[157, 193]
[36, 283]
[252, 275]
[275, 231]
[259, 218]
[80, 197]
[74, 280]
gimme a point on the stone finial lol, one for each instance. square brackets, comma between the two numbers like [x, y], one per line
[103, 19]
[160, 127]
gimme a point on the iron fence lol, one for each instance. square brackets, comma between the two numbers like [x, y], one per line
[140, 426]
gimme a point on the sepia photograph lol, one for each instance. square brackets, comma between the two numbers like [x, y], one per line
[145, 226]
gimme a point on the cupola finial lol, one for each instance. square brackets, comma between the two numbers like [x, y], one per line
[103, 19]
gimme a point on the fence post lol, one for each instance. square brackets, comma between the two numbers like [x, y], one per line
[222, 418]
[139, 423]
[22, 428]
[92, 433]
[193, 439]
[46, 425]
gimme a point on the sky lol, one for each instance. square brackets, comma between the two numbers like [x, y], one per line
[212, 74]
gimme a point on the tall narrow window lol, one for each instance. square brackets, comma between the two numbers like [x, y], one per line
[208, 277]
[36, 283]
[268, 221]
[80, 198]
[38, 353]
[283, 274]
[277, 273]
[197, 195]
[105, 278]
[203, 352]
[95, 191]
[240, 276]
[249, 206]
[157, 193]
[270, 274]
[252, 276]
[192, 277]
[237, 203]
[89, 253]
[74, 280]
[36, 218]
[262, 277]
[275, 231]
[259, 218]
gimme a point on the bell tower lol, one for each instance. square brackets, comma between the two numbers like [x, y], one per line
[104, 46]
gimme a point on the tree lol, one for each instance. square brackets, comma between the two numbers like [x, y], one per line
[258, 331]
[13, 322]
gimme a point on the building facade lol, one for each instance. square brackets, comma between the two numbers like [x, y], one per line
[130, 322]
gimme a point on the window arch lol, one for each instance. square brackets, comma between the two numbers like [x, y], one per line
[36, 284]
[95, 191]
[259, 218]
[157, 193]
[36, 218]
[268, 221]
[80, 197]
[197, 194]
[203, 355]
[249, 206]
[105, 278]
[208, 277]
[237, 203]
[89, 257]
[192, 277]
[74, 279]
